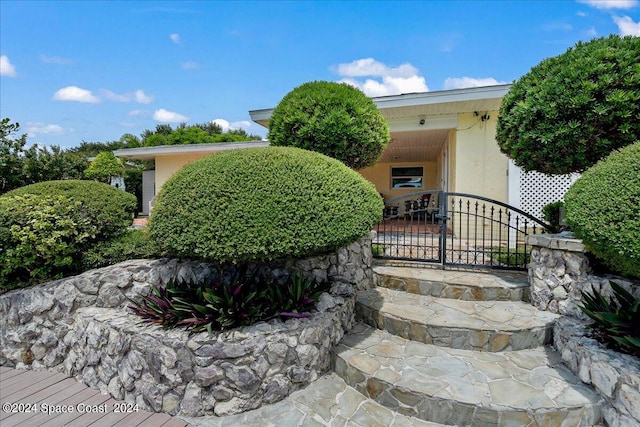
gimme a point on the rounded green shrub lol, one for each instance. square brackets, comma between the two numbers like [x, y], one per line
[603, 209]
[45, 228]
[334, 119]
[111, 209]
[41, 238]
[572, 110]
[263, 204]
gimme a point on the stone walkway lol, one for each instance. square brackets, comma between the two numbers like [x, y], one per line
[329, 401]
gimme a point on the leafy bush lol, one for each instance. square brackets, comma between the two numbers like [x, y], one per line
[104, 166]
[572, 110]
[603, 209]
[617, 321]
[46, 227]
[129, 244]
[551, 214]
[334, 119]
[247, 298]
[110, 209]
[41, 238]
[263, 204]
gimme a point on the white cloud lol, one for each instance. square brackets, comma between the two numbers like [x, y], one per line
[610, 4]
[55, 60]
[464, 82]
[74, 93]
[175, 37]
[190, 65]
[6, 67]
[37, 128]
[390, 80]
[138, 96]
[627, 26]
[227, 126]
[165, 116]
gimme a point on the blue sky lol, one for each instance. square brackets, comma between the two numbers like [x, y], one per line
[92, 71]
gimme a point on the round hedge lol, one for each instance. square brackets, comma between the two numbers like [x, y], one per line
[572, 110]
[263, 204]
[111, 209]
[603, 209]
[334, 119]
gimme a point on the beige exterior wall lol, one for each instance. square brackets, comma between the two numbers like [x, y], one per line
[168, 165]
[380, 176]
[478, 165]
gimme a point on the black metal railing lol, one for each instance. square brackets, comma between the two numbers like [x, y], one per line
[455, 229]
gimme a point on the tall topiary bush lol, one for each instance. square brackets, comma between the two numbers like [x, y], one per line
[572, 110]
[263, 204]
[603, 209]
[334, 119]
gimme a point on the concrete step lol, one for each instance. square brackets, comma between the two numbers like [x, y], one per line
[463, 285]
[472, 325]
[465, 387]
[329, 401]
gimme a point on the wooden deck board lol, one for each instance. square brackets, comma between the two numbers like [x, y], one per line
[43, 389]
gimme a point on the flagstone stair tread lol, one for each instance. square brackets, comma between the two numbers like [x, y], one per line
[329, 401]
[479, 325]
[464, 285]
[464, 387]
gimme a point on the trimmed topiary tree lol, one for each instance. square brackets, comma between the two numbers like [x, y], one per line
[263, 204]
[603, 209]
[334, 119]
[572, 110]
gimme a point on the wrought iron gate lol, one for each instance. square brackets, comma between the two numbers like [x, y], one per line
[455, 229]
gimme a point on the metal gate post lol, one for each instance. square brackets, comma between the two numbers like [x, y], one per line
[442, 227]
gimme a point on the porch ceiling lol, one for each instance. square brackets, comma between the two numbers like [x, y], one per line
[414, 146]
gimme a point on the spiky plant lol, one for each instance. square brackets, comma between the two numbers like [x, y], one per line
[617, 320]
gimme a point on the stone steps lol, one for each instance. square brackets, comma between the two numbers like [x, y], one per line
[329, 401]
[464, 387]
[472, 325]
[463, 285]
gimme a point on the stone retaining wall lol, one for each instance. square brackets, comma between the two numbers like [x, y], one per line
[559, 270]
[615, 376]
[81, 326]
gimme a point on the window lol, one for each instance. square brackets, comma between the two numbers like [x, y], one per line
[410, 177]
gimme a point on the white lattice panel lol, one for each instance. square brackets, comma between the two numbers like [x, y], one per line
[538, 190]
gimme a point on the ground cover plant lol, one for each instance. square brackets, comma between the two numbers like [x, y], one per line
[46, 227]
[248, 297]
[571, 110]
[262, 204]
[603, 209]
[128, 244]
[334, 119]
[616, 320]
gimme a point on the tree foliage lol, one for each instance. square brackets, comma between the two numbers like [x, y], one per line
[104, 166]
[334, 119]
[572, 110]
[201, 133]
[21, 166]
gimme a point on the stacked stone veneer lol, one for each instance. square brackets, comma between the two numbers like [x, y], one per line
[81, 326]
[559, 270]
